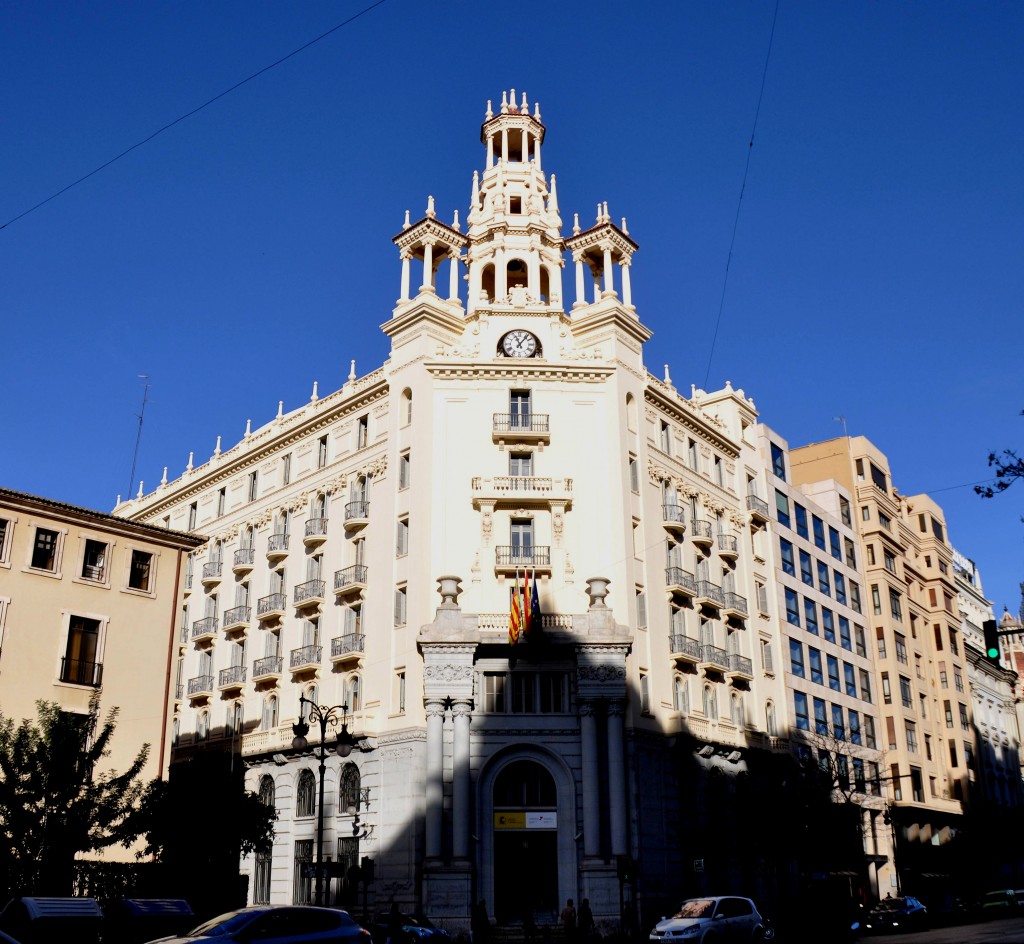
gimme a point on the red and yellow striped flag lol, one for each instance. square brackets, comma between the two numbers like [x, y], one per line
[515, 620]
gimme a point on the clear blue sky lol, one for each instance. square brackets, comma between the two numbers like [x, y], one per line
[877, 272]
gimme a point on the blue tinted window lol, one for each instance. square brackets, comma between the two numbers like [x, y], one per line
[833, 674]
[792, 607]
[796, 658]
[844, 633]
[810, 615]
[803, 721]
[838, 727]
[828, 626]
[778, 462]
[823, 579]
[834, 544]
[801, 519]
[815, 659]
[782, 508]
[806, 571]
[850, 678]
[819, 532]
[840, 582]
[820, 716]
[786, 550]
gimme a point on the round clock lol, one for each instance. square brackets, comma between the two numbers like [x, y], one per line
[519, 344]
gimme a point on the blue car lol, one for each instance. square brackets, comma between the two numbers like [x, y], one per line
[296, 924]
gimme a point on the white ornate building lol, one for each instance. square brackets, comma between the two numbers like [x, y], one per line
[363, 548]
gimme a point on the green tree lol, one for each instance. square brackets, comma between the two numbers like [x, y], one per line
[1009, 467]
[55, 802]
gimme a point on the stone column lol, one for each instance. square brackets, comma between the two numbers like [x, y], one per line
[405, 276]
[461, 806]
[435, 776]
[490, 150]
[608, 270]
[504, 145]
[453, 276]
[591, 779]
[536, 151]
[581, 288]
[627, 289]
[617, 778]
[428, 267]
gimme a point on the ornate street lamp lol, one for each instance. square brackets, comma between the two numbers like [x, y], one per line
[343, 746]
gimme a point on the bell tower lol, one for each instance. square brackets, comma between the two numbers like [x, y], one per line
[514, 230]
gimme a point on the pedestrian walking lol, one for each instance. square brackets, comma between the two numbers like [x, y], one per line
[568, 919]
[585, 920]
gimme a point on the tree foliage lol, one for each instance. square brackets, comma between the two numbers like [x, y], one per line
[1009, 468]
[55, 801]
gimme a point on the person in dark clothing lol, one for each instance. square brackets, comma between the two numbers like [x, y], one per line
[479, 923]
[568, 919]
[396, 934]
[585, 920]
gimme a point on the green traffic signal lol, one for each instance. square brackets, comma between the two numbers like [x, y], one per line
[991, 632]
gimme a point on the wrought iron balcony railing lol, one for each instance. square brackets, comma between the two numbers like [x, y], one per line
[277, 543]
[308, 591]
[200, 684]
[678, 579]
[237, 615]
[712, 655]
[350, 576]
[268, 665]
[233, 675]
[271, 603]
[80, 672]
[513, 555]
[307, 655]
[245, 556]
[316, 526]
[701, 530]
[357, 511]
[206, 626]
[684, 646]
[741, 665]
[707, 590]
[757, 506]
[346, 643]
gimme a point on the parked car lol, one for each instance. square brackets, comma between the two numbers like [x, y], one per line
[415, 927]
[897, 914]
[727, 918]
[1001, 902]
[297, 924]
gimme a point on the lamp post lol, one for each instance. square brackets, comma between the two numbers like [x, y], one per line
[344, 743]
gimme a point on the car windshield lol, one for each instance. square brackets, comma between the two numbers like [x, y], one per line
[223, 924]
[890, 904]
[696, 908]
[997, 896]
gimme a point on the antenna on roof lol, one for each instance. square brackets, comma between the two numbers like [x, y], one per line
[138, 437]
[841, 419]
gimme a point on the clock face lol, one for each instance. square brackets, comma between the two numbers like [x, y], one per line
[519, 344]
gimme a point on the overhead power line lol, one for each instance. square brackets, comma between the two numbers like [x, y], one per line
[189, 114]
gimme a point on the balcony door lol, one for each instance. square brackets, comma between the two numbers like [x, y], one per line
[519, 409]
[522, 541]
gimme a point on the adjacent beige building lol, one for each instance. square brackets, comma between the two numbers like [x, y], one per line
[90, 603]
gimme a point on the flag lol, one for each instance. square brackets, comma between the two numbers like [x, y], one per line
[534, 608]
[515, 620]
[527, 612]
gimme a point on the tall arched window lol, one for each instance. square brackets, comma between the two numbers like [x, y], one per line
[203, 726]
[270, 712]
[681, 695]
[349, 788]
[353, 695]
[524, 783]
[406, 407]
[305, 793]
[769, 719]
[710, 703]
[261, 880]
[175, 732]
[266, 791]
[738, 715]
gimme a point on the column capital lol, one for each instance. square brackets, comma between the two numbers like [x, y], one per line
[587, 708]
[434, 708]
[616, 708]
[462, 709]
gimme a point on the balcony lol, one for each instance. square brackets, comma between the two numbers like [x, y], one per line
[701, 533]
[673, 517]
[711, 657]
[316, 532]
[78, 672]
[231, 678]
[272, 606]
[200, 687]
[735, 605]
[244, 558]
[267, 669]
[310, 593]
[684, 649]
[758, 509]
[179, 691]
[709, 594]
[237, 618]
[740, 667]
[728, 546]
[308, 657]
[520, 427]
[522, 489]
[347, 647]
[211, 573]
[508, 558]
[277, 546]
[357, 514]
[204, 630]
[678, 580]
[350, 580]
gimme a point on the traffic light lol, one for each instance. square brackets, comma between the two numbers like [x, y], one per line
[991, 641]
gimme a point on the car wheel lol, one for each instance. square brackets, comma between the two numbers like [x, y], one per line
[764, 934]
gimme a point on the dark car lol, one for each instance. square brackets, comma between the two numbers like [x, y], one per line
[414, 927]
[897, 914]
[296, 924]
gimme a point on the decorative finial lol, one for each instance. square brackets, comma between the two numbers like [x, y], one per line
[668, 378]
[576, 224]
[216, 452]
[504, 103]
[191, 456]
[607, 218]
[512, 107]
[455, 222]
[163, 478]
[553, 196]
[280, 410]
[352, 372]
[248, 428]
[524, 108]
[728, 385]
[406, 224]
[624, 228]
[536, 110]
[430, 208]
[599, 220]
[490, 113]
[313, 397]
[118, 502]
[140, 489]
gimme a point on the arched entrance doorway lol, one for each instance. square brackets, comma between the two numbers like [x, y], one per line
[525, 861]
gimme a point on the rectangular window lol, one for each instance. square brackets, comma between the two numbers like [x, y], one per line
[253, 486]
[402, 537]
[953, 762]
[876, 600]
[938, 530]
[94, 563]
[634, 475]
[828, 625]
[823, 579]
[820, 716]
[139, 572]
[494, 692]
[886, 690]
[641, 609]
[894, 776]
[901, 649]
[193, 511]
[286, 469]
[401, 606]
[958, 679]
[801, 519]
[855, 596]
[840, 584]
[321, 452]
[665, 438]
[786, 552]
[911, 731]
[844, 511]
[302, 878]
[877, 477]
[838, 724]
[906, 693]
[44, 551]
[855, 735]
[869, 732]
[844, 633]
[719, 471]
[865, 685]
[880, 633]
[835, 548]
[943, 677]
[890, 560]
[806, 569]
[362, 432]
[819, 532]
[778, 462]
[851, 553]
[782, 508]
[937, 629]
[400, 679]
[692, 455]
[833, 674]
[404, 470]
[520, 464]
[792, 607]
[5, 530]
[796, 658]
[953, 645]
[79, 665]
[895, 605]
[761, 592]
[890, 733]
[803, 721]
[884, 521]
[811, 616]
[222, 497]
[860, 640]
[917, 784]
[815, 659]
[963, 718]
